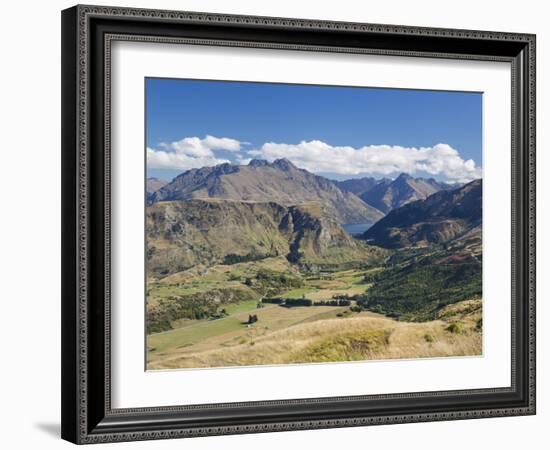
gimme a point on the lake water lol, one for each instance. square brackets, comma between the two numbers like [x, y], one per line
[356, 228]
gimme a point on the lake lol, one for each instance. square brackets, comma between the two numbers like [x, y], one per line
[356, 228]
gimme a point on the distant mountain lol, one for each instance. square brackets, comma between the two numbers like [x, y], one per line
[154, 184]
[444, 216]
[359, 186]
[183, 234]
[387, 195]
[261, 181]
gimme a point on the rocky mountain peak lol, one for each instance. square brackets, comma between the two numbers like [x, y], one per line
[258, 163]
[404, 177]
[283, 164]
[262, 181]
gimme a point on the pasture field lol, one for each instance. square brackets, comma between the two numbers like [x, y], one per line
[322, 337]
[232, 330]
[239, 287]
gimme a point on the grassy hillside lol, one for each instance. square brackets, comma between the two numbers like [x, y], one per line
[250, 265]
[213, 292]
[286, 336]
[184, 234]
[181, 235]
[416, 283]
[203, 293]
[440, 218]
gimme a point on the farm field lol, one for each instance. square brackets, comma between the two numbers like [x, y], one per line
[232, 330]
[239, 287]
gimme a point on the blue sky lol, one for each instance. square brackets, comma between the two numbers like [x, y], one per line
[340, 132]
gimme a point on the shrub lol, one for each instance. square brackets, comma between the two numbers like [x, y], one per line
[252, 318]
[455, 328]
[479, 325]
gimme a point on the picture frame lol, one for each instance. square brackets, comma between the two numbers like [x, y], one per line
[87, 366]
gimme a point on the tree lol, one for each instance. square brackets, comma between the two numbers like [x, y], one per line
[252, 318]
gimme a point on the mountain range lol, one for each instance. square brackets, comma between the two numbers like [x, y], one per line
[232, 213]
[360, 200]
[442, 217]
[386, 194]
[262, 181]
[360, 186]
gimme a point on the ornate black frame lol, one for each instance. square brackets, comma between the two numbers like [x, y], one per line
[87, 416]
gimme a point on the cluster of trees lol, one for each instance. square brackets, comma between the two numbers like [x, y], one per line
[334, 302]
[288, 301]
[176, 307]
[274, 300]
[270, 283]
[306, 302]
[198, 306]
[416, 291]
[371, 277]
[219, 315]
[298, 302]
[233, 258]
[280, 278]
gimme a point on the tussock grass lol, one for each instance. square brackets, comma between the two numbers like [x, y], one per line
[363, 336]
[346, 347]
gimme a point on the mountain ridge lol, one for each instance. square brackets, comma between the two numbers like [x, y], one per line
[279, 181]
[153, 184]
[359, 186]
[404, 189]
[386, 194]
[181, 234]
[442, 217]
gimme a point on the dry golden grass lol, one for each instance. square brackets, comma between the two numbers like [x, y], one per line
[364, 336]
[231, 331]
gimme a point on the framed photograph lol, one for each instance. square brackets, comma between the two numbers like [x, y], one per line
[279, 224]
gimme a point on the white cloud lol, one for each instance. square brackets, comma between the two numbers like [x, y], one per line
[317, 156]
[191, 153]
[196, 147]
[160, 159]
[243, 161]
